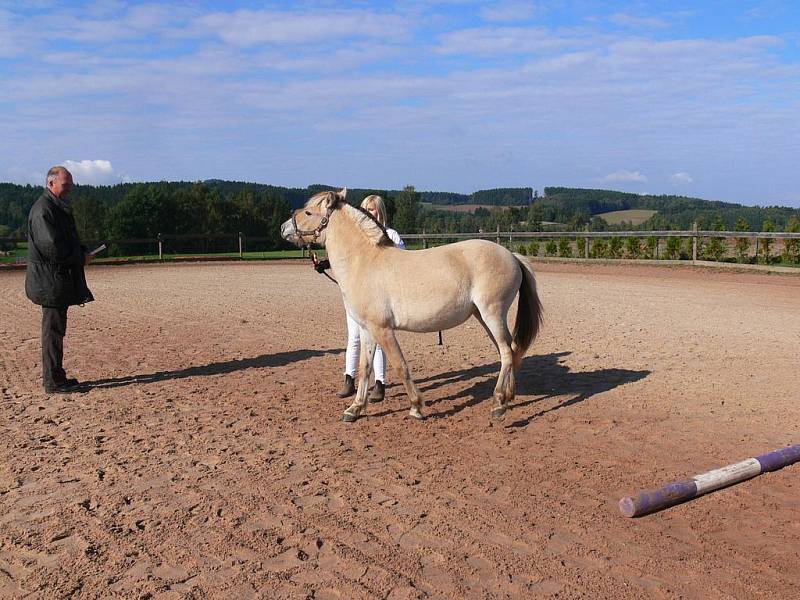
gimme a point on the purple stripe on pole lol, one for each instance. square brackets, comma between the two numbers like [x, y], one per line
[778, 459]
[653, 500]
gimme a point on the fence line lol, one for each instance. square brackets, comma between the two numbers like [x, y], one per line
[503, 235]
[239, 241]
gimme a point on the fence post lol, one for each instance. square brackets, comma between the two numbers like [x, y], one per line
[241, 246]
[424, 240]
[160, 248]
[586, 243]
[694, 242]
[498, 234]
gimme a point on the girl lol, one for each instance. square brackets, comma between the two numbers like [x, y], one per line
[373, 205]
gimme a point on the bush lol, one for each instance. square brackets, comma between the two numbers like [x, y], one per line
[615, 247]
[715, 249]
[599, 248]
[651, 248]
[5, 246]
[633, 247]
[765, 244]
[743, 249]
[550, 248]
[565, 248]
[533, 248]
[522, 249]
[673, 249]
[687, 252]
[791, 247]
[580, 245]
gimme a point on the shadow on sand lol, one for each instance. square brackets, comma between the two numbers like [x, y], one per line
[218, 368]
[541, 376]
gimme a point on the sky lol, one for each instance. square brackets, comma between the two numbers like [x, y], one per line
[694, 98]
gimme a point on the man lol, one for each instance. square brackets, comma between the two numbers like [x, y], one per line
[55, 278]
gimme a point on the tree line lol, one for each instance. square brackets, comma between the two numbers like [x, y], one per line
[582, 207]
[215, 207]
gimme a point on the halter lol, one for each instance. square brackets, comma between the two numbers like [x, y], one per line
[314, 233]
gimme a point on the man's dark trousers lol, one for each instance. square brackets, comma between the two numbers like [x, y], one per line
[54, 328]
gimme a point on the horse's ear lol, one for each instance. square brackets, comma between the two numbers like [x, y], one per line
[341, 195]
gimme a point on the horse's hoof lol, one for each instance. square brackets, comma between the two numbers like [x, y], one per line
[348, 418]
[498, 412]
[414, 413]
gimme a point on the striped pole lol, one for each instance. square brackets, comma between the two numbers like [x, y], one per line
[649, 501]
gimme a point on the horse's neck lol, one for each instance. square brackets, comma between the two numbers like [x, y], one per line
[347, 248]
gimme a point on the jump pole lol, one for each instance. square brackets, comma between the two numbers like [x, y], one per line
[648, 501]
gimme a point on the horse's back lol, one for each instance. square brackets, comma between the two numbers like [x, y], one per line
[473, 253]
[439, 288]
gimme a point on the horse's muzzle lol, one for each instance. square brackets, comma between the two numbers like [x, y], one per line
[289, 233]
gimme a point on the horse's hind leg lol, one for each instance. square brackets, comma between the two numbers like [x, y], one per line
[493, 320]
[388, 341]
[359, 405]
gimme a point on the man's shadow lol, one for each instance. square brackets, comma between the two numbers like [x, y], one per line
[278, 359]
[540, 376]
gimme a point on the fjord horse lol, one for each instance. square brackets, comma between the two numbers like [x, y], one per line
[386, 289]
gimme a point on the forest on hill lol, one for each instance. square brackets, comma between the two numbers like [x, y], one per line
[213, 207]
[565, 205]
[143, 210]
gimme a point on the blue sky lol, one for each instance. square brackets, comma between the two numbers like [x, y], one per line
[692, 98]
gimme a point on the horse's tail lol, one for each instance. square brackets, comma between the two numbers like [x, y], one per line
[529, 312]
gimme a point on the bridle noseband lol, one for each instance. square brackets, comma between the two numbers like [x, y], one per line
[314, 233]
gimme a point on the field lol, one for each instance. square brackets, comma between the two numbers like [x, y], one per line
[208, 460]
[634, 216]
[467, 208]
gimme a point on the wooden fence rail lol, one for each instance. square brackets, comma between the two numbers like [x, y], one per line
[239, 241]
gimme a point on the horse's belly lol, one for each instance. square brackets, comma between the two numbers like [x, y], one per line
[424, 318]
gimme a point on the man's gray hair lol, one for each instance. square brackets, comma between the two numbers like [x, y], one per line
[53, 173]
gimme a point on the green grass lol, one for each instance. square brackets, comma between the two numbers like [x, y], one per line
[21, 251]
[267, 255]
[635, 216]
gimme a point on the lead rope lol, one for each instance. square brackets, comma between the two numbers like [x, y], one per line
[315, 262]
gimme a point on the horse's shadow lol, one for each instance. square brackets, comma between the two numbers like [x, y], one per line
[278, 359]
[540, 376]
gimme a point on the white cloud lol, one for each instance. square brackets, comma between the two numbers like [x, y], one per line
[245, 28]
[509, 11]
[681, 177]
[488, 41]
[624, 176]
[91, 172]
[637, 22]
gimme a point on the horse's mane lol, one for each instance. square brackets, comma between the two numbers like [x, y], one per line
[374, 231]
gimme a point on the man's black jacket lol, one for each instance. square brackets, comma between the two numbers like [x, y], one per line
[55, 274]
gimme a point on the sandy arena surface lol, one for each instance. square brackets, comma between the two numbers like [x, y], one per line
[209, 459]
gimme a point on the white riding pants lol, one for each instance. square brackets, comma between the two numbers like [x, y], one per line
[354, 350]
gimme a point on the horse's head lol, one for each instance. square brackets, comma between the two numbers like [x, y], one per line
[307, 225]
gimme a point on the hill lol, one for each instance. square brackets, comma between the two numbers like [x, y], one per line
[673, 212]
[143, 210]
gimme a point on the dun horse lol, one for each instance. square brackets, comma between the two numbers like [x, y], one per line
[386, 289]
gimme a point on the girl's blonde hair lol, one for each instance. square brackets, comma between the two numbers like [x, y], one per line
[377, 201]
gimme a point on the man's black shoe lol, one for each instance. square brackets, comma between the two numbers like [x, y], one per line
[62, 388]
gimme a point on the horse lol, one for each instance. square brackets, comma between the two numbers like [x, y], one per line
[387, 289]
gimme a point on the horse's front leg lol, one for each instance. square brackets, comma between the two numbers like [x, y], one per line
[388, 341]
[367, 356]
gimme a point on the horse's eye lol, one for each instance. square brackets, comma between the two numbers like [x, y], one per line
[308, 213]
